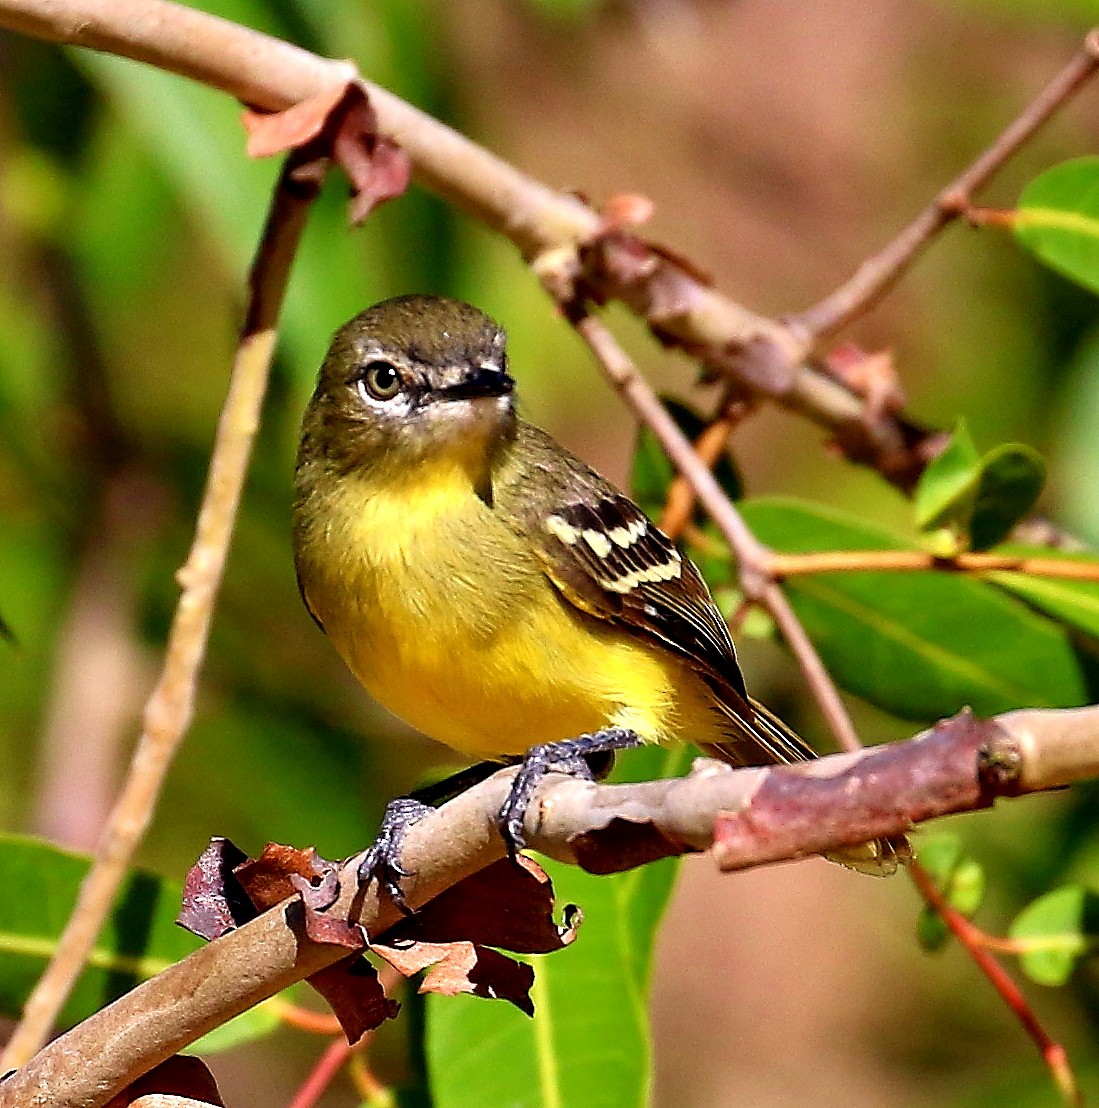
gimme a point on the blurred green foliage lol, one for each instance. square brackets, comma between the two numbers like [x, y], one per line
[127, 219]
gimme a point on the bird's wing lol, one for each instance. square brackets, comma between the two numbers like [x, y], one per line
[609, 560]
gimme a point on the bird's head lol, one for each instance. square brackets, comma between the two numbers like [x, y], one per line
[412, 380]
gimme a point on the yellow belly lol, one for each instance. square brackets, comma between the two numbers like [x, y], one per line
[451, 624]
[541, 679]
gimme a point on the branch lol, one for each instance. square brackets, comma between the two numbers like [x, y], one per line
[849, 561]
[567, 240]
[170, 707]
[750, 817]
[752, 556]
[878, 274]
[974, 941]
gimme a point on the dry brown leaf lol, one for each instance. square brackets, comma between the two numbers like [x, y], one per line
[464, 967]
[213, 901]
[181, 1075]
[508, 905]
[623, 844]
[352, 990]
[342, 118]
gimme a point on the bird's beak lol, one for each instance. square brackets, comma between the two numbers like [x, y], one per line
[481, 382]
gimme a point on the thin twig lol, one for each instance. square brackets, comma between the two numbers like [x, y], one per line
[877, 275]
[305, 1019]
[331, 1061]
[816, 674]
[1053, 1053]
[753, 557]
[367, 1083]
[170, 707]
[709, 446]
[851, 561]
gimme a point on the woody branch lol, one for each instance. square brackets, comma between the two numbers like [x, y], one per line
[747, 817]
[562, 236]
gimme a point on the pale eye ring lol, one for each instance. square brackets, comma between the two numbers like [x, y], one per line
[381, 380]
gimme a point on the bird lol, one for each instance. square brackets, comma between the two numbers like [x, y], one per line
[492, 589]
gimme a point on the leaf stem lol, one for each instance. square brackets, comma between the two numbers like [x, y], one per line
[976, 945]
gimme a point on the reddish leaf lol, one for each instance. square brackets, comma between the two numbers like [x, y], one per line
[177, 1076]
[508, 904]
[379, 170]
[213, 901]
[272, 133]
[623, 844]
[267, 879]
[342, 117]
[353, 992]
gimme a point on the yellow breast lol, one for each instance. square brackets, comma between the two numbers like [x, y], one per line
[443, 612]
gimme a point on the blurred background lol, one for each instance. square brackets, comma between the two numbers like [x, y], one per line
[781, 142]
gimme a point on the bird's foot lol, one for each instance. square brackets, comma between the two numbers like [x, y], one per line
[571, 756]
[381, 861]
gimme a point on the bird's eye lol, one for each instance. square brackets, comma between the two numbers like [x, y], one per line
[381, 380]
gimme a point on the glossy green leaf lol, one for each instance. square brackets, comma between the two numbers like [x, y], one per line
[1073, 602]
[948, 486]
[1012, 476]
[1058, 219]
[652, 470]
[920, 645]
[966, 501]
[588, 1043]
[1059, 928]
[139, 940]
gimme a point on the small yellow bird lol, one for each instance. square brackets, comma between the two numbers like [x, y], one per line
[490, 588]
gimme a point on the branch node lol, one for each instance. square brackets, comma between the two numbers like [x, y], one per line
[952, 201]
[1000, 766]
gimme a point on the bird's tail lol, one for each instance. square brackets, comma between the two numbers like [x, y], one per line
[764, 740]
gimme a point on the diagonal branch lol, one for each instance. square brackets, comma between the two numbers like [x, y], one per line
[562, 235]
[750, 817]
[753, 558]
[170, 707]
[972, 939]
[878, 274]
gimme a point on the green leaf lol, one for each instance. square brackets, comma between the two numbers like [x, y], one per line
[947, 488]
[588, 1043]
[1058, 220]
[1012, 476]
[961, 880]
[920, 645]
[975, 501]
[139, 940]
[1073, 602]
[1060, 927]
[652, 470]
